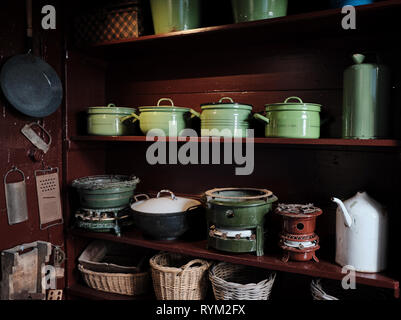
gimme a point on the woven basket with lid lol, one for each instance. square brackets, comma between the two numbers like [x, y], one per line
[176, 277]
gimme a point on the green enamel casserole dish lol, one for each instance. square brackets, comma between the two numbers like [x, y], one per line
[163, 120]
[109, 120]
[292, 119]
[225, 118]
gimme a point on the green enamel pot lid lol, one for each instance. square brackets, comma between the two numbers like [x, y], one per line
[226, 105]
[293, 106]
[158, 107]
[111, 109]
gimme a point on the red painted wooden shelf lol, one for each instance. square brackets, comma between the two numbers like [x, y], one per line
[81, 291]
[317, 22]
[323, 269]
[278, 141]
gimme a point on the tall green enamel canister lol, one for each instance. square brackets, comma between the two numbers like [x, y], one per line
[250, 10]
[366, 100]
[175, 15]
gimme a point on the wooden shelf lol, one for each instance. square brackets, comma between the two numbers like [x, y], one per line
[82, 291]
[323, 269]
[387, 143]
[311, 23]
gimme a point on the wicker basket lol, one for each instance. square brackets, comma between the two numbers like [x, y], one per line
[176, 277]
[131, 284]
[238, 282]
[328, 289]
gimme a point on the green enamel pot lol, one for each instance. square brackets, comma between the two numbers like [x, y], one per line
[225, 118]
[163, 120]
[109, 120]
[292, 119]
[250, 10]
[175, 15]
[238, 208]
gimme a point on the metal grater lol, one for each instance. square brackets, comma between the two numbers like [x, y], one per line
[55, 295]
[48, 191]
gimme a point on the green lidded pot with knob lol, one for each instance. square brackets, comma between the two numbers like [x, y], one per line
[225, 118]
[292, 119]
[366, 100]
[110, 120]
[165, 120]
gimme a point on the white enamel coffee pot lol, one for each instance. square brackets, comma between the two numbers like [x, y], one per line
[361, 233]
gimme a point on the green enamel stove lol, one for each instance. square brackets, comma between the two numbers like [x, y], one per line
[105, 201]
[104, 220]
[235, 218]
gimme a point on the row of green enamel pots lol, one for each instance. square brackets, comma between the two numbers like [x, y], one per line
[290, 119]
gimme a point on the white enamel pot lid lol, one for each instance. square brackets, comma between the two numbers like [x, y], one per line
[163, 204]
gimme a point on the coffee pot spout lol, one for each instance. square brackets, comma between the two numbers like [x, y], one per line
[347, 217]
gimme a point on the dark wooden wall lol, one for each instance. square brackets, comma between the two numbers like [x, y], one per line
[14, 147]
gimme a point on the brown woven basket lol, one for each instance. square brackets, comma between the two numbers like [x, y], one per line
[235, 282]
[131, 284]
[176, 277]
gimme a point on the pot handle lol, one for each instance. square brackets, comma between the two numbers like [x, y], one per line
[165, 99]
[194, 113]
[111, 105]
[260, 117]
[193, 207]
[226, 98]
[132, 115]
[291, 98]
[140, 195]
[173, 197]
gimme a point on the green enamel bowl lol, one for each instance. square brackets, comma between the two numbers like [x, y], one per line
[250, 10]
[225, 118]
[163, 120]
[292, 119]
[105, 191]
[109, 120]
[175, 15]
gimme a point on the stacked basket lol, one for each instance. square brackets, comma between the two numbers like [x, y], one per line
[176, 277]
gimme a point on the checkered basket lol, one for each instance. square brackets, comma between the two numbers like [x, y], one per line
[110, 23]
